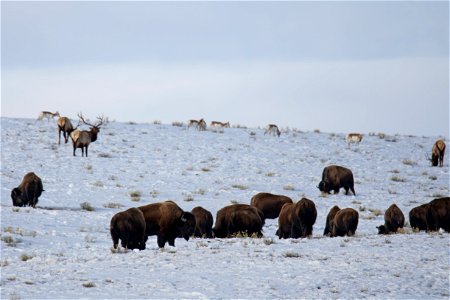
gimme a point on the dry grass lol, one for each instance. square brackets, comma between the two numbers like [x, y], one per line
[87, 206]
[135, 196]
[239, 186]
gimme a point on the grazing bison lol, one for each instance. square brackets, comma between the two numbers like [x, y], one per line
[238, 218]
[297, 220]
[437, 153]
[438, 214]
[336, 177]
[345, 222]
[28, 192]
[418, 217]
[203, 222]
[269, 204]
[330, 218]
[393, 220]
[129, 227]
[167, 221]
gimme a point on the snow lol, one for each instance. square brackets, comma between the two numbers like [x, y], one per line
[60, 250]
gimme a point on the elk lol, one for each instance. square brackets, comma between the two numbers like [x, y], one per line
[48, 115]
[223, 125]
[66, 127]
[354, 138]
[437, 154]
[82, 139]
[272, 129]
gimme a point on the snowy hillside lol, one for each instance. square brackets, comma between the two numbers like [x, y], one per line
[62, 249]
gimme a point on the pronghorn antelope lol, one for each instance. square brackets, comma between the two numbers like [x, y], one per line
[48, 115]
[272, 129]
[354, 138]
[66, 127]
[217, 123]
[82, 139]
[200, 124]
[437, 153]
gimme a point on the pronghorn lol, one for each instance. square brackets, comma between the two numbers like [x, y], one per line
[82, 139]
[437, 153]
[272, 129]
[200, 124]
[354, 138]
[48, 115]
[217, 123]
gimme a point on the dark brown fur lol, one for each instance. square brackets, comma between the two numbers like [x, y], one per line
[297, 220]
[238, 218]
[437, 153]
[345, 222]
[330, 218]
[203, 222]
[393, 220]
[438, 214]
[167, 221]
[270, 204]
[336, 177]
[418, 217]
[129, 227]
[28, 192]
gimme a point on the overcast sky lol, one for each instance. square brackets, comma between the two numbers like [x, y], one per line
[333, 66]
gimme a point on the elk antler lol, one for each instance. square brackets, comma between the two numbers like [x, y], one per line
[101, 120]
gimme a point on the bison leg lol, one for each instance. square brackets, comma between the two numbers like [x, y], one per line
[161, 241]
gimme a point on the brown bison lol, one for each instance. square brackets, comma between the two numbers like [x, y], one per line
[437, 153]
[336, 177]
[438, 214]
[330, 218]
[418, 217]
[203, 222]
[167, 221]
[28, 192]
[297, 220]
[393, 220]
[236, 218]
[129, 227]
[345, 222]
[270, 204]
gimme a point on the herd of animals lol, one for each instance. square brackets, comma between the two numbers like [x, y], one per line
[168, 221]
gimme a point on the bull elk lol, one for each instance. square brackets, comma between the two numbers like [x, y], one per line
[47, 114]
[82, 139]
[354, 138]
[437, 154]
[272, 129]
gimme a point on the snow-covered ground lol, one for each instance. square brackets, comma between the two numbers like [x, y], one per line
[60, 250]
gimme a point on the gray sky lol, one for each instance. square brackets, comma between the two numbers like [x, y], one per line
[333, 66]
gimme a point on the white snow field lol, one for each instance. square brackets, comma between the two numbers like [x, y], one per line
[62, 249]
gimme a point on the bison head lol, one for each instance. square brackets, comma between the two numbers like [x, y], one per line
[434, 159]
[323, 186]
[16, 196]
[186, 225]
[382, 229]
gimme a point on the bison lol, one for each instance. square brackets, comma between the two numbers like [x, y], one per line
[438, 214]
[167, 221]
[418, 217]
[393, 220]
[336, 177]
[129, 227]
[238, 218]
[330, 218]
[28, 192]
[270, 204]
[345, 222]
[437, 153]
[297, 220]
[203, 222]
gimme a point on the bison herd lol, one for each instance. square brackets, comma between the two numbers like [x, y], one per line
[168, 221]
